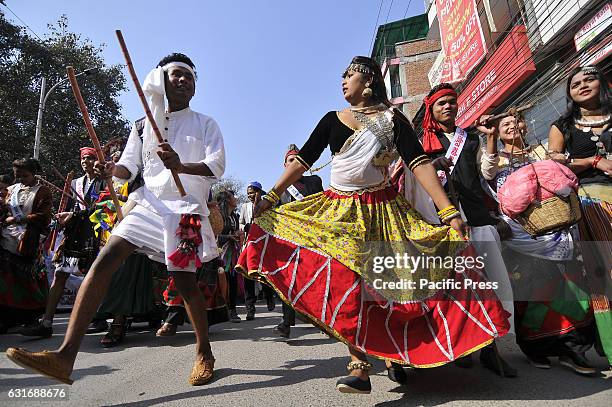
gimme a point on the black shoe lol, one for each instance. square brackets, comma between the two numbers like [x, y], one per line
[3, 329]
[353, 384]
[578, 363]
[271, 303]
[98, 325]
[250, 315]
[492, 360]
[37, 329]
[233, 316]
[396, 373]
[541, 362]
[465, 362]
[283, 330]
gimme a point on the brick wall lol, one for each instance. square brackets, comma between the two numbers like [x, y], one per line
[416, 59]
[411, 48]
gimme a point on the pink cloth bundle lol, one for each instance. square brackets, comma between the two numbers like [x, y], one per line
[521, 187]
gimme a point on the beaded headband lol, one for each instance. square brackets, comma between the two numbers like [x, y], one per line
[359, 68]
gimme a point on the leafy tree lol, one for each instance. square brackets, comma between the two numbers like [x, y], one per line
[24, 60]
[231, 184]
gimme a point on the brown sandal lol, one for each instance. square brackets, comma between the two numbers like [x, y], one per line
[166, 330]
[44, 362]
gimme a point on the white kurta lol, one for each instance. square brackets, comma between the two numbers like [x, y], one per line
[151, 225]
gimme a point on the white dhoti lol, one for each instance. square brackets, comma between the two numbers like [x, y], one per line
[155, 235]
[487, 243]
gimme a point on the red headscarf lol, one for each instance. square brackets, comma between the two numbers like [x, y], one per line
[85, 151]
[431, 144]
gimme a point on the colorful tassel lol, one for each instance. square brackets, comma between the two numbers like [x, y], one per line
[189, 241]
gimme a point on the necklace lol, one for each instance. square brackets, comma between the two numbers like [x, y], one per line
[381, 127]
[587, 125]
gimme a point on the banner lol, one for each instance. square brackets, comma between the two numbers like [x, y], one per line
[598, 24]
[463, 42]
[509, 65]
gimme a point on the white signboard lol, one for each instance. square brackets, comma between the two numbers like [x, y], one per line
[594, 27]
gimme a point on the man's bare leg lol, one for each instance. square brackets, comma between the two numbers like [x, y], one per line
[187, 286]
[92, 292]
[60, 363]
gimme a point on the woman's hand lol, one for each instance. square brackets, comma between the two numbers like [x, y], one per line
[482, 125]
[261, 207]
[460, 227]
[605, 165]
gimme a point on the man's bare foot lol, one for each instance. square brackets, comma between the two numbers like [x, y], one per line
[50, 364]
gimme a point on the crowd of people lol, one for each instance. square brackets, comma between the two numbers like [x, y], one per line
[452, 193]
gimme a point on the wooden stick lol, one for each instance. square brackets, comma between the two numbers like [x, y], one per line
[93, 137]
[74, 191]
[511, 112]
[145, 104]
[62, 206]
[58, 189]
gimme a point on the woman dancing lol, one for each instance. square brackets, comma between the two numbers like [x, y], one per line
[323, 254]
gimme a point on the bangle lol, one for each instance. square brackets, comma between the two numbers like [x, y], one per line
[446, 211]
[270, 199]
[451, 216]
[272, 193]
[596, 160]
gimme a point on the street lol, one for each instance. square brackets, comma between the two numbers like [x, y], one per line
[254, 367]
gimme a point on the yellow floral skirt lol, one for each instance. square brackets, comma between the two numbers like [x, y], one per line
[344, 260]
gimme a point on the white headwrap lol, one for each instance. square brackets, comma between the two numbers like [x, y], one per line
[155, 90]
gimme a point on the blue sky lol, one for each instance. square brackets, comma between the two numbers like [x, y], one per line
[268, 69]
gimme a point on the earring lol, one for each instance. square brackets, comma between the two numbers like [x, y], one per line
[367, 93]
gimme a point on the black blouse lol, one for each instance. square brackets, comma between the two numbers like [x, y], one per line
[333, 133]
[579, 145]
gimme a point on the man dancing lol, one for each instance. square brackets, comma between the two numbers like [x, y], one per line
[168, 226]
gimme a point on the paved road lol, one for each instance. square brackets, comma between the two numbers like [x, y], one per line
[254, 368]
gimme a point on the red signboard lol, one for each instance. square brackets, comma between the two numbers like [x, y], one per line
[462, 39]
[509, 65]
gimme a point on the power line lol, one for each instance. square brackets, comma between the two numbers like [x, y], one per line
[389, 12]
[20, 19]
[407, 7]
[376, 25]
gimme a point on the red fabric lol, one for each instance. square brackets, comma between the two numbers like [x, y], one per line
[87, 151]
[431, 144]
[382, 195]
[190, 239]
[413, 333]
[521, 187]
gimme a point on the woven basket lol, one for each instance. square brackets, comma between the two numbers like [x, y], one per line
[550, 215]
[216, 219]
